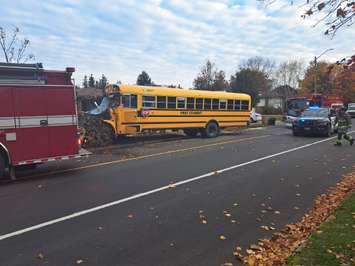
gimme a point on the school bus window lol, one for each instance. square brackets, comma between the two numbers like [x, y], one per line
[133, 101]
[215, 103]
[237, 105]
[245, 105]
[172, 102]
[148, 101]
[126, 100]
[181, 103]
[190, 103]
[207, 104]
[199, 103]
[161, 102]
[222, 104]
[230, 105]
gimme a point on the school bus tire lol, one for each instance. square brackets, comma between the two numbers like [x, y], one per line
[211, 130]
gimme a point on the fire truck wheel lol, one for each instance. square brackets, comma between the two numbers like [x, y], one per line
[2, 166]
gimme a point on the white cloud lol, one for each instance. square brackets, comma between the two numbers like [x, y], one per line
[170, 39]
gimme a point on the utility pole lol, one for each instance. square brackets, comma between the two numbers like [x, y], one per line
[315, 69]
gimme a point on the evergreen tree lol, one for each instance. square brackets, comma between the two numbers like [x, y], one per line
[144, 79]
[91, 81]
[85, 82]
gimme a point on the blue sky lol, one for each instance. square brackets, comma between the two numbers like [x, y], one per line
[170, 39]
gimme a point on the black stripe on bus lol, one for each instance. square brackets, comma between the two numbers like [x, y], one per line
[181, 122]
[198, 116]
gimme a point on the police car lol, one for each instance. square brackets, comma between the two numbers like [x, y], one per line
[316, 121]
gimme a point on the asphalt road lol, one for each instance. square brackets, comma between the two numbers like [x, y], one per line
[166, 203]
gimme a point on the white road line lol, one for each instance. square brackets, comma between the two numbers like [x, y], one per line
[140, 195]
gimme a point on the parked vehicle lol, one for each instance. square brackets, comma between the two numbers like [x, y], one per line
[254, 116]
[38, 118]
[295, 106]
[314, 120]
[351, 109]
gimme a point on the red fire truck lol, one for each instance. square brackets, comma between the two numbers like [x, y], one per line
[38, 118]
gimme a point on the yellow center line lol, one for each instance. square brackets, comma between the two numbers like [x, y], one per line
[147, 156]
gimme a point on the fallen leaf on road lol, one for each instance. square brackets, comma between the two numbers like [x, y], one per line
[172, 244]
[233, 221]
[227, 264]
[204, 221]
[40, 186]
[296, 208]
[263, 204]
[276, 212]
[222, 237]
[99, 228]
[258, 219]
[235, 204]
[298, 194]
[238, 248]
[200, 211]
[227, 215]
[130, 216]
[263, 211]
[40, 256]
[79, 261]
[172, 185]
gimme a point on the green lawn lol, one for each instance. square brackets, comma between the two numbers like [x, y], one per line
[334, 241]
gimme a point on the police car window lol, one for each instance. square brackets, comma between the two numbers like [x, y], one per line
[315, 113]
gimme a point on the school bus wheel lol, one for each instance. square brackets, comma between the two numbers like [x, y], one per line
[211, 130]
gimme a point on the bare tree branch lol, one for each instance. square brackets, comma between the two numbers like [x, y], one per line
[13, 48]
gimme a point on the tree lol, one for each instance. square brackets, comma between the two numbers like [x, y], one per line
[210, 78]
[250, 81]
[289, 73]
[91, 81]
[103, 82]
[219, 81]
[14, 48]
[317, 79]
[259, 63]
[144, 79]
[335, 14]
[85, 82]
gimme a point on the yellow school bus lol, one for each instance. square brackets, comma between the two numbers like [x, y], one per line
[134, 109]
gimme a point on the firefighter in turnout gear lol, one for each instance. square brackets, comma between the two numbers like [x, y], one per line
[344, 124]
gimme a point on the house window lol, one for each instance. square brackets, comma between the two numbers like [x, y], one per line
[199, 103]
[230, 105]
[161, 102]
[207, 104]
[148, 101]
[171, 102]
[222, 104]
[190, 103]
[181, 102]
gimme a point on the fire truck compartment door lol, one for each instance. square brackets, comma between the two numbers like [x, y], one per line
[31, 105]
